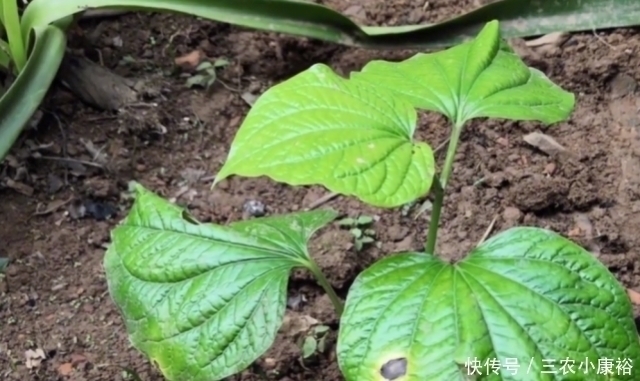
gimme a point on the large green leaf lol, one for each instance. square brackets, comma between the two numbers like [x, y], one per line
[305, 18]
[526, 296]
[203, 301]
[480, 78]
[518, 18]
[26, 93]
[11, 24]
[319, 128]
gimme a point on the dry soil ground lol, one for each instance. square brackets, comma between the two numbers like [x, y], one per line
[54, 299]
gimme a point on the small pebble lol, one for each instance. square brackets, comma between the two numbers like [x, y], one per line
[254, 208]
[512, 215]
[550, 168]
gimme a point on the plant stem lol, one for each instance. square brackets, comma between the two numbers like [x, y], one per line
[438, 187]
[451, 154]
[432, 234]
[324, 282]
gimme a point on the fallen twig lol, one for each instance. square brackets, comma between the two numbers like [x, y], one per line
[322, 200]
[488, 231]
[69, 160]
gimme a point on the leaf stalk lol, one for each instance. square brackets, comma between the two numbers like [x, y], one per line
[438, 187]
[324, 282]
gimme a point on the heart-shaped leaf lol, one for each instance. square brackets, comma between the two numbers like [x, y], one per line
[527, 304]
[203, 301]
[480, 78]
[319, 128]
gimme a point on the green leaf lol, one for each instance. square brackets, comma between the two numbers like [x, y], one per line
[518, 18]
[11, 21]
[309, 346]
[365, 220]
[524, 296]
[203, 301]
[195, 80]
[321, 329]
[221, 62]
[4, 262]
[204, 65]
[210, 80]
[480, 78]
[366, 239]
[346, 222]
[319, 128]
[26, 93]
[131, 373]
[5, 56]
[356, 232]
[304, 18]
[322, 344]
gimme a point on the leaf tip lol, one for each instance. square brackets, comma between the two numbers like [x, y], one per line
[332, 212]
[491, 31]
[137, 189]
[222, 174]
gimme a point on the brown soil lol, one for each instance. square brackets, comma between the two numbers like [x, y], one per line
[54, 297]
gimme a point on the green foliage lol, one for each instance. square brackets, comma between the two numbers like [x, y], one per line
[10, 21]
[358, 227]
[480, 78]
[41, 16]
[319, 128]
[205, 74]
[204, 300]
[26, 93]
[526, 295]
[347, 135]
[315, 341]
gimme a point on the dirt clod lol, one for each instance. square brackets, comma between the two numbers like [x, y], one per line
[512, 216]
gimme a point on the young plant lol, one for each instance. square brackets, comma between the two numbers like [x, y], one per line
[359, 229]
[315, 341]
[205, 74]
[204, 301]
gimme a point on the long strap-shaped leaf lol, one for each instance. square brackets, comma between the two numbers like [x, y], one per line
[28, 90]
[517, 18]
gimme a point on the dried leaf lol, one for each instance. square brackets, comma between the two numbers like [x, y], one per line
[555, 38]
[294, 323]
[65, 369]
[19, 187]
[52, 207]
[191, 60]
[634, 296]
[544, 143]
[34, 358]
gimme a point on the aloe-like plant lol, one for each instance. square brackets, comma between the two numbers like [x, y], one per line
[36, 53]
[35, 43]
[204, 301]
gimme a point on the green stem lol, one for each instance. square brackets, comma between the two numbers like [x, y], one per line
[324, 282]
[439, 185]
[432, 234]
[451, 154]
